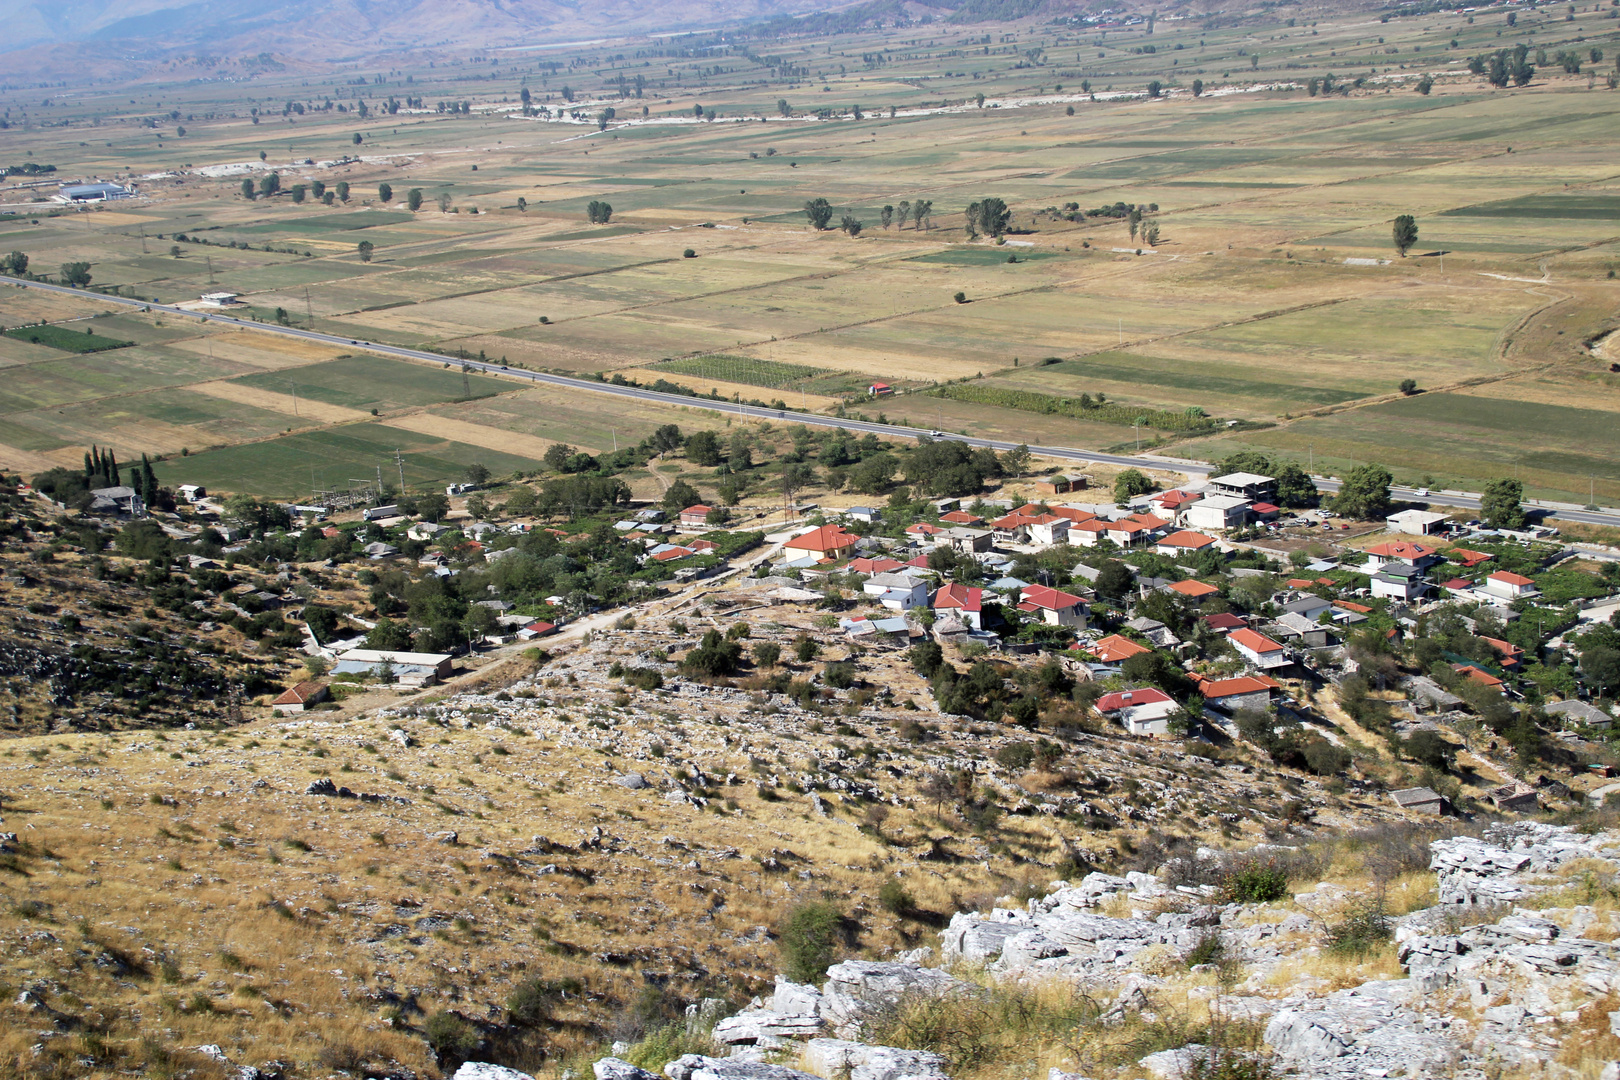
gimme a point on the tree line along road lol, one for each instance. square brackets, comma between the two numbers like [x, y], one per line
[1461, 500]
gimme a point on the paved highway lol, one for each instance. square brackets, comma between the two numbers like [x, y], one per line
[1463, 500]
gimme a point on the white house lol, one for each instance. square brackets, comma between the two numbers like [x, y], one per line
[1398, 582]
[1258, 649]
[1142, 712]
[1217, 512]
[410, 668]
[897, 592]
[1509, 586]
[1056, 608]
[1415, 522]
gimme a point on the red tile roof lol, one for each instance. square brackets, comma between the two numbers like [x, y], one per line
[1511, 578]
[698, 510]
[1170, 500]
[827, 538]
[542, 628]
[874, 566]
[1074, 513]
[1401, 549]
[962, 517]
[1255, 642]
[1265, 508]
[1244, 684]
[1469, 559]
[1458, 583]
[1484, 678]
[1224, 621]
[1194, 589]
[958, 597]
[923, 528]
[1186, 538]
[1124, 699]
[703, 545]
[1114, 649]
[1359, 609]
[670, 554]
[1044, 596]
[302, 694]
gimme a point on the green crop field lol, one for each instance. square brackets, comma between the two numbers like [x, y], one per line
[293, 465]
[367, 382]
[741, 369]
[1272, 293]
[60, 337]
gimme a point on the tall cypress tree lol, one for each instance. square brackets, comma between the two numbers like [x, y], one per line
[112, 469]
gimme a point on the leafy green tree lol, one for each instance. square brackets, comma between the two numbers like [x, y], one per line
[1115, 580]
[343, 190]
[366, 248]
[76, 274]
[783, 107]
[1198, 88]
[413, 199]
[385, 193]
[522, 205]
[1405, 233]
[269, 185]
[1294, 486]
[433, 506]
[741, 453]
[1131, 483]
[247, 190]
[681, 495]
[666, 437]
[819, 212]
[921, 211]
[1365, 493]
[887, 215]
[15, 264]
[1155, 88]
[298, 192]
[989, 216]
[1424, 85]
[1501, 504]
[703, 448]
[850, 225]
[767, 653]
[1408, 387]
[599, 212]
[1600, 667]
[1017, 460]
[1325, 759]
[1428, 748]
[477, 473]
[444, 202]
[808, 941]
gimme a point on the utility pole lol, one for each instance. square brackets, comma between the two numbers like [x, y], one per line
[309, 312]
[143, 240]
[210, 259]
[294, 396]
[400, 461]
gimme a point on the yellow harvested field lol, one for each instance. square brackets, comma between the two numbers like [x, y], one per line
[821, 350]
[22, 461]
[509, 442]
[302, 408]
[269, 351]
[812, 402]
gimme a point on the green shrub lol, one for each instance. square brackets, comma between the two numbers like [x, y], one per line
[1209, 949]
[449, 1035]
[1254, 881]
[892, 896]
[1364, 929]
[664, 1044]
[808, 941]
[1016, 756]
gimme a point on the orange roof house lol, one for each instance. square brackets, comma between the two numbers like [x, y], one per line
[829, 541]
[1114, 649]
[1193, 590]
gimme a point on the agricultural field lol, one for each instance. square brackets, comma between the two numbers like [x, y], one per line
[1269, 291]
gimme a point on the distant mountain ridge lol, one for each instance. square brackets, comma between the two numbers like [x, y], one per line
[318, 30]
